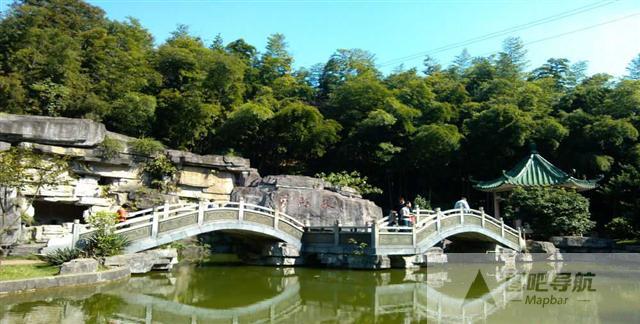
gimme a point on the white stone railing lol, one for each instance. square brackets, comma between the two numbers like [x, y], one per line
[429, 223]
[429, 226]
[184, 215]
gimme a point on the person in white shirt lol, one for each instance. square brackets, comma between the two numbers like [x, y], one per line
[405, 214]
[462, 204]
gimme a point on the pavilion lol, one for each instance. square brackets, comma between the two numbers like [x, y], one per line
[532, 171]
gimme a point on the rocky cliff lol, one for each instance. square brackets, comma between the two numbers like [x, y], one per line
[95, 183]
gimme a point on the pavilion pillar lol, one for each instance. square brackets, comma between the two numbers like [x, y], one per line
[496, 205]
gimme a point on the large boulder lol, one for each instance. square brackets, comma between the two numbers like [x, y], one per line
[579, 242]
[79, 266]
[541, 247]
[51, 130]
[308, 200]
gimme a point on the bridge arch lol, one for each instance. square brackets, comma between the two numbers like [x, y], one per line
[183, 233]
[449, 232]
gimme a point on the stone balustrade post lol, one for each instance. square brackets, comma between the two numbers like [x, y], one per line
[165, 211]
[438, 219]
[482, 215]
[520, 237]
[201, 207]
[374, 234]
[276, 218]
[502, 227]
[241, 210]
[462, 215]
[413, 232]
[155, 222]
[75, 232]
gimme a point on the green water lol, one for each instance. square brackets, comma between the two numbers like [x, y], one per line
[472, 293]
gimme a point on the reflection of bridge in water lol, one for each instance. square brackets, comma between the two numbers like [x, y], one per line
[416, 297]
[296, 295]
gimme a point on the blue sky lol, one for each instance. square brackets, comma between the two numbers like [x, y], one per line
[397, 29]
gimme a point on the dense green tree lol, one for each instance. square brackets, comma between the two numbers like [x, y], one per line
[244, 130]
[296, 134]
[405, 131]
[550, 211]
[183, 119]
[342, 65]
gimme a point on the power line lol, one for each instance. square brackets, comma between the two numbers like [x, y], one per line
[573, 31]
[502, 32]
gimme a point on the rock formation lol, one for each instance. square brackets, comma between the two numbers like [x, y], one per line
[95, 182]
[310, 200]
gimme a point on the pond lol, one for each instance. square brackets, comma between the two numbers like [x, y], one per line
[567, 292]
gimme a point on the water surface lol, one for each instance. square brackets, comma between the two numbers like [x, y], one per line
[568, 292]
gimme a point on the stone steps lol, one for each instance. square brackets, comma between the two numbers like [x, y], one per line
[26, 249]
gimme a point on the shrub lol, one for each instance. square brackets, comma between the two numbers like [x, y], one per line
[146, 146]
[159, 170]
[550, 211]
[106, 244]
[620, 228]
[353, 180]
[103, 221]
[104, 241]
[110, 148]
[422, 202]
[61, 256]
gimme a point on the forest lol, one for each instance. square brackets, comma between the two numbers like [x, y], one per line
[427, 131]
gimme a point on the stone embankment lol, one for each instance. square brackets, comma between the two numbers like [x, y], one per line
[76, 279]
[87, 271]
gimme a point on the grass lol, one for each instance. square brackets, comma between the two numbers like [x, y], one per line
[13, 272]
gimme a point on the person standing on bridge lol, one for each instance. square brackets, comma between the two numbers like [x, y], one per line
[462, 204]
[405, 214]
[396, 214]
[122, 214]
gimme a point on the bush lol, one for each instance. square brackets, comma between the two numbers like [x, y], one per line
[620, 228]
[110, 148]
[422, 202]
[159, 170]
[61, 256]
[106, 244]
[104, 241]
[550, 211]
[353, 180]
[146, 146]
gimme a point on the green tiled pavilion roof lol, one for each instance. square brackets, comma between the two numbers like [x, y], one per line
[535, 171]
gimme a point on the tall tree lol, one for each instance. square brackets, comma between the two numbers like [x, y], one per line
[276, 60]
[431, 65]
[634, 68]
[512, 60]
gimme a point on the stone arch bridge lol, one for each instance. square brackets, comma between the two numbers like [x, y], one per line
[164, 224]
